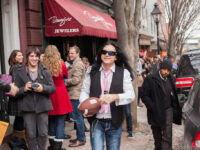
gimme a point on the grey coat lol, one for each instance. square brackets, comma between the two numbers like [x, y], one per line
[26, 99]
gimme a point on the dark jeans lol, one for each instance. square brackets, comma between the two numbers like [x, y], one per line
[163, 136]
[36, 126]
[56, 127]
[18, 123]
[101, 130]
[129, 122]
[78, 118]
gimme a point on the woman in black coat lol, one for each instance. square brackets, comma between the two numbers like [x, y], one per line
[15, 60]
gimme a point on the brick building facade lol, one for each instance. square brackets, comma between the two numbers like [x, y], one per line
[21, 26]
[30, 23]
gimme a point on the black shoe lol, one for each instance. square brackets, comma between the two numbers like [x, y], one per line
[67, 136]
[130, 135]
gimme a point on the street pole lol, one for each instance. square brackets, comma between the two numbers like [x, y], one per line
[158, 46]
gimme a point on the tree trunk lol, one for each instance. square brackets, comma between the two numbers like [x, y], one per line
[127, 16]
[171, 42]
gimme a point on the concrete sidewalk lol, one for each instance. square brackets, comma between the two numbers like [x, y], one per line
[139, 142]
[142, 138]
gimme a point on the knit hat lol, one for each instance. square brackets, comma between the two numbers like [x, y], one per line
[166, 64]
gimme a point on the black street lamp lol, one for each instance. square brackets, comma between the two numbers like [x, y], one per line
[156, 13]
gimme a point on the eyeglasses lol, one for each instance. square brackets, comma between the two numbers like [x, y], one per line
[110, 53]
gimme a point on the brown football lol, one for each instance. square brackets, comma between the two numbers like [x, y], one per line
[90, 106]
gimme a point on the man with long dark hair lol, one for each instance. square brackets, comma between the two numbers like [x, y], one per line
[110, 80]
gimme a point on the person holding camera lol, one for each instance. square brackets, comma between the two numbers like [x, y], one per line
[35, 85]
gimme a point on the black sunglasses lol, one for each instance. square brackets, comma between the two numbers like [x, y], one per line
[110, 53]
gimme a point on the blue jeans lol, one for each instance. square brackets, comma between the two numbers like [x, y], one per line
[105, 129]
[78, 118]
[129, 122]
[56, 127]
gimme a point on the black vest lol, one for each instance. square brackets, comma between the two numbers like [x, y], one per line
[117, 112]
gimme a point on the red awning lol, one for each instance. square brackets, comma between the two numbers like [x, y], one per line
[70, 18]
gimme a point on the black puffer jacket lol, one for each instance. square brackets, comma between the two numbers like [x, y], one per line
[153, 96]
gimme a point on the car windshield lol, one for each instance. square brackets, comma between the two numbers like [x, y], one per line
[189, 65]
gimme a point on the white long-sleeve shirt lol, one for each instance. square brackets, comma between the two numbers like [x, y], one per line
[124, 98]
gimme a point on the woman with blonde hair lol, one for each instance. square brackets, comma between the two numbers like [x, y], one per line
[60, 99]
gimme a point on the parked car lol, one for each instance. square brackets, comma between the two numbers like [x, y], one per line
[188, 68]
[191, 117]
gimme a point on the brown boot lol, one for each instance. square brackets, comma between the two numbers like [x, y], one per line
[20, 134]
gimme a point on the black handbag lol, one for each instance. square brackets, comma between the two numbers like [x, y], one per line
[4, 107]
[17, 143]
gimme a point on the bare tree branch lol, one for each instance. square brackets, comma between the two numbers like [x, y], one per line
[182, 15]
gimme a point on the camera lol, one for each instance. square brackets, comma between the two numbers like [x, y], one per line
[34, 86]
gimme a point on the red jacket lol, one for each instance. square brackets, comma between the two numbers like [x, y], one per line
[60, 99]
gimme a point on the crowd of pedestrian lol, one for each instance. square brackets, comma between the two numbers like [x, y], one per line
[46, 89]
